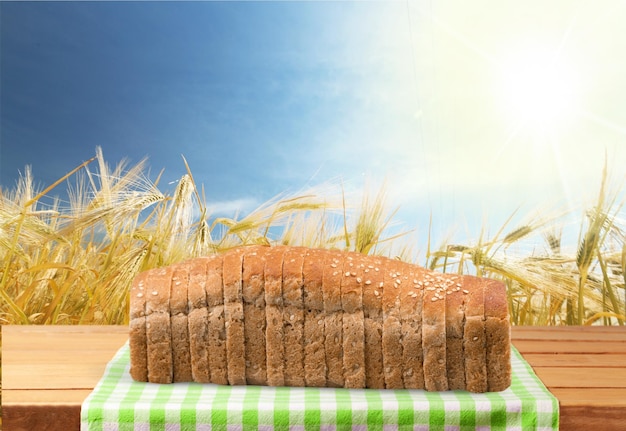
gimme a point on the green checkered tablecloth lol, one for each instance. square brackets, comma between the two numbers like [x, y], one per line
[119, 403]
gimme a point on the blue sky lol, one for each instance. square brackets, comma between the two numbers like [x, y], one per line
[265, 97]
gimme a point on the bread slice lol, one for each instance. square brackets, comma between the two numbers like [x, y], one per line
[181, 355]
[474, 340]
[217, 356]
[275, 351]
[314, 352]
[333, 318]
[353, 321]
[455, 322]
[198, 319]
[158, 327]
[373, 322]
[253, 291]
[293, 316]
[392, 326]
[498, 336]
[434, 333]
[233, 313]
[137, 329]
[411, 303]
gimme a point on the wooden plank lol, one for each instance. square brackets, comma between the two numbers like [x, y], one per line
[590, 333]
[607, 360]
[48, 397]
[101, 330]
[53, 375]
[587, 418]
[599, 397]
[42, 357]
[67, 338]
[30, 417]
[581, 377]
[561, 346]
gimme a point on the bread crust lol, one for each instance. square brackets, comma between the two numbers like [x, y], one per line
[217, 357]
[333, 318]
[373, 322]
[353, 321]
[275, 351]
[254, 314]
[392, 326]
[314, 352]
[137, 329]
[411, 313]
[181, 353]
[455, 323]
[233, 313]
[293, 316]
[498, 336]
[158, 327]
[434, 333]
[198, 320]
[474, 340]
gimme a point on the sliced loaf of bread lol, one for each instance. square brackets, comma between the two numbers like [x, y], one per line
[309, 317]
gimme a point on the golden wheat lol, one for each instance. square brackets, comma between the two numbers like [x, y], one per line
[73, 262]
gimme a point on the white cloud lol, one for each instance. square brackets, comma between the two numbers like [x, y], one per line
[238, 206]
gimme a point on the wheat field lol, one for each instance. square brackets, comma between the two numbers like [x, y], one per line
[72, 262]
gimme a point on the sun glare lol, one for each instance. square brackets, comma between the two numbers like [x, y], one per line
[538, 91]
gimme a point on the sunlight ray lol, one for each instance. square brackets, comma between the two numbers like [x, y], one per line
[466, 41]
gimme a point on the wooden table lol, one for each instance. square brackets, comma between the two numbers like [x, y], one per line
[47, 371]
